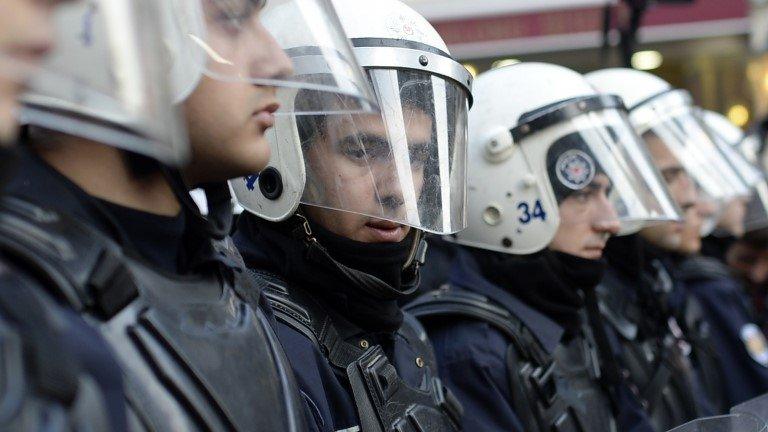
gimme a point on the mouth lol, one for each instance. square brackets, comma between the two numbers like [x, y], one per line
[594, 252]
[385, 231]
[266, 115]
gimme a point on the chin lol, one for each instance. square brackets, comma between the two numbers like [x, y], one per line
[250, 161]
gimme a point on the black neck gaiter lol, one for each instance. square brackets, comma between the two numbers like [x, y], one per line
[547, 281]
[283, 249]
[626, 255]
[717, 247]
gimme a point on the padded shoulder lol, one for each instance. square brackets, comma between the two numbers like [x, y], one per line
[75, 262]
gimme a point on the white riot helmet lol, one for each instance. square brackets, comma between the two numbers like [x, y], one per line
[667, 116]
[107, 81]
[407, 164]
[538, 134]
[744, 157]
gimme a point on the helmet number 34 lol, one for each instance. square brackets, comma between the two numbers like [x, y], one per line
[526, 216]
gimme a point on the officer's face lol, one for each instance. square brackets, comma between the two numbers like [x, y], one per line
[732, 218]
[669, 235]
[355, 169]
[227, 121]
[587, 220]
[25, 37]
[690, 236]
[749, 262]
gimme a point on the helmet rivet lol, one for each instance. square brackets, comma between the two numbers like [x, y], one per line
[506, 242]
[419, 362]
[492, 215]
[525, 129]
[494, 143]
[423, 60]
[582, 105]
[364, 344]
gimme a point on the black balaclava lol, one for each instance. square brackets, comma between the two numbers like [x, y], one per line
[8, 164]
[717, 246]
[560, 285]
[360, 281]
[551, 282]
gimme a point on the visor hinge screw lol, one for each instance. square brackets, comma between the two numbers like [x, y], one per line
[419, 362]
[529, 181]
[423, 60]
[582, 106]
[364, 344]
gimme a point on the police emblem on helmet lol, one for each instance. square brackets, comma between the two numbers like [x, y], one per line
[575, 169]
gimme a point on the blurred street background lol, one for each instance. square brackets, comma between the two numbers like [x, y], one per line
[704, 46]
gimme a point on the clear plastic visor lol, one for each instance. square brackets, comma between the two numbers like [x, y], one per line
[756, 407]
[107, 79]
[749, 173]
[756, 216]
[406, 165]
[289, 45]
[725, 423]
[670, 118]
[595, 165]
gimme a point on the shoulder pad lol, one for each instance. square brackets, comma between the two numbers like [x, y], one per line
[286, 310]
[79, 264]
[702, 268]
[30, 316]
[449, 301]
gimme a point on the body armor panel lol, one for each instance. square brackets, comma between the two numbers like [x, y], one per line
[195, 356]
[35, 393]
[384, 401]
[658, 368]
[551, 392]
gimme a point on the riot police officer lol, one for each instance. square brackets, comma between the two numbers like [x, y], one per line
[340, 243]
[703, 183]
[516, 327]
[100, 213]
[82, 388]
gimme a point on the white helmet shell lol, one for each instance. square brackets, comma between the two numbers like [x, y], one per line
[386, 19]
[616, 81]
[499, 178]
[386, 36]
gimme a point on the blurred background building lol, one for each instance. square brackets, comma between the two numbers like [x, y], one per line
[713, 48]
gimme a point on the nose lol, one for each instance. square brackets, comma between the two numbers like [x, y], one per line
[389, 192]
[605, 221]
[275, 64]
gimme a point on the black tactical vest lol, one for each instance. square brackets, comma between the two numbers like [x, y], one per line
[658, 367]
[384, 401]
[195, 356]
[37, 394]
[558, 392]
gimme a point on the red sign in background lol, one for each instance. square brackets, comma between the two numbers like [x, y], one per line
[583, 20]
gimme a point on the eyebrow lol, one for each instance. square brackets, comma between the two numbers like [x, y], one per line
[376, 139]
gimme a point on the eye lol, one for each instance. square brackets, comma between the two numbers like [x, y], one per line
[354, 152]
[233, 15]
